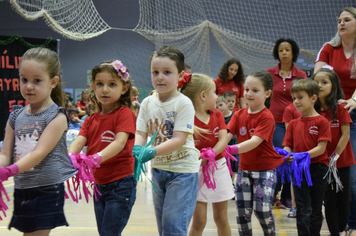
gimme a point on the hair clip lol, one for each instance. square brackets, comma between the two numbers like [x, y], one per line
[185, 80]
[120, 68]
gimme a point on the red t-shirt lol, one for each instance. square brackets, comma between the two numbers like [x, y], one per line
[245, 125]
[304, 133]
[100, 131]
[281, 97]
[222, 87]
[290, 113]
[216, 123]
[335, 57]
[342, 117]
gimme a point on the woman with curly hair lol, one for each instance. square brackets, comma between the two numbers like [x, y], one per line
[231, 78]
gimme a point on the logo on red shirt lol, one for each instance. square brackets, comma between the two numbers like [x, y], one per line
[243, 130]
[334, 124]
[314, 130]
[216, 132]
[108, 136]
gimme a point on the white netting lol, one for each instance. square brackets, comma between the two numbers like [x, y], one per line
[78, 20]
[245, 29]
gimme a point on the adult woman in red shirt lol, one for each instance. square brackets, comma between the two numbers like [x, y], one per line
[83, 102]
[286, 51]
[231, 78]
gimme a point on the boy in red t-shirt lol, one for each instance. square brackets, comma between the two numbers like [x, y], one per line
[309, 133]
[230, 100]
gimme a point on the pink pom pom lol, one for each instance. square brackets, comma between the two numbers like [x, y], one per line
[3, 206]
[84, 178]
[208, 170]
[229, 157]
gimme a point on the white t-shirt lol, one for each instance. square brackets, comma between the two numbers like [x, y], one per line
[167, 117]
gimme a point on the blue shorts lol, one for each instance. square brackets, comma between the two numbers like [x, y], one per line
[38, 208]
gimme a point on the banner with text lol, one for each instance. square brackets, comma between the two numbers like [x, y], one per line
[11, 50]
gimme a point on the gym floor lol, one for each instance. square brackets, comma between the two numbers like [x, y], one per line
[81, 219]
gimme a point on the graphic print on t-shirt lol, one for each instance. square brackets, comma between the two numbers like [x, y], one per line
[169, 128]
[25, 144]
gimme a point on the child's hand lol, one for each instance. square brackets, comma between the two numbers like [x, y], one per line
[232, 149]
[203, 161]
[97, 157]
[335, 156]
[146, 154]
[73, 158]
[208, 154]
[6, 172]
[76, 119]
[290, 159]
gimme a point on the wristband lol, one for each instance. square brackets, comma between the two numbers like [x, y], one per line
[9, 171]
[335, 156]
[73, 159]
[97, 157]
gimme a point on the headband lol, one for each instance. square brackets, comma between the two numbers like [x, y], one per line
[120, 68]
[185, 80]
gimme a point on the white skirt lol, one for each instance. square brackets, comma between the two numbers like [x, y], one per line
[224, 189]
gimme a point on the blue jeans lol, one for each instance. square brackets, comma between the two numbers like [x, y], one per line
[174, 201]
[278, 137]
[113, 208]
[352, 218]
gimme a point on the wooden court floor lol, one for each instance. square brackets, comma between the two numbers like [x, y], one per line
[81, 219]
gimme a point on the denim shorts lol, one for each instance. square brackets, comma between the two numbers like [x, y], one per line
[113, 207]
[38, 208]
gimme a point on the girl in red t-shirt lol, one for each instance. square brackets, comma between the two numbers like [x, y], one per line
[211, 140]
[256, 177]
[337, 203]
[109, 135]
